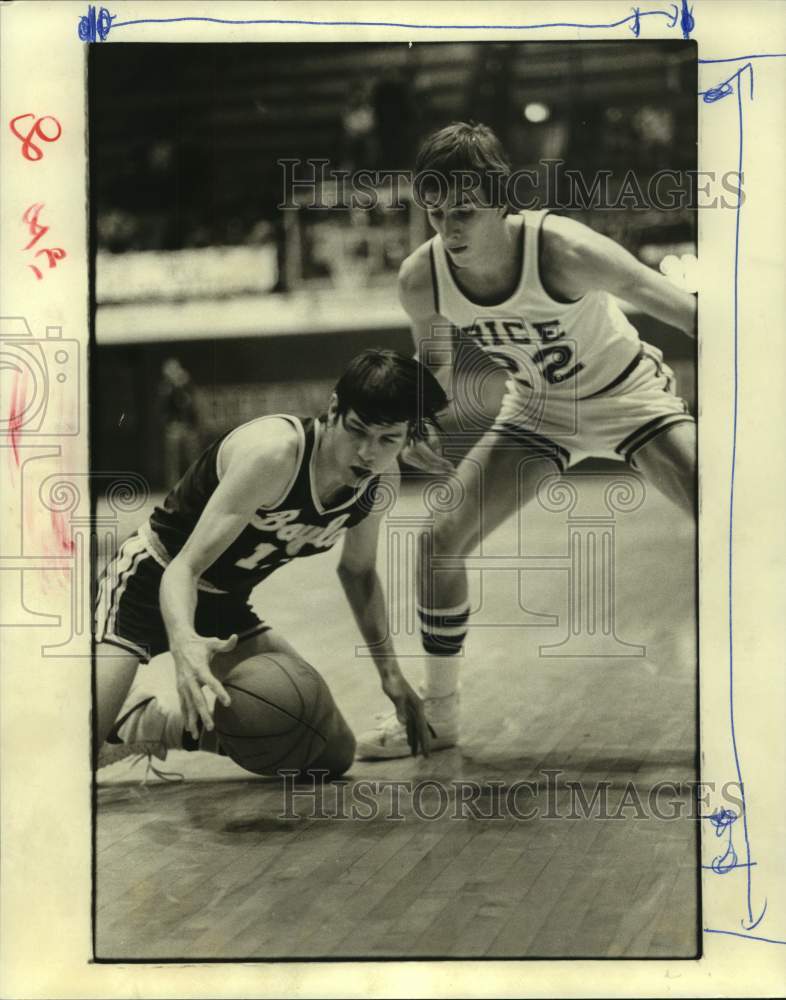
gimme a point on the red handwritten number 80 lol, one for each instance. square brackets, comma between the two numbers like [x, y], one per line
[30, 150]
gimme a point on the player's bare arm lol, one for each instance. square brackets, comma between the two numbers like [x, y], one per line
[576, 260]
[254, 474]
[416, 295]
[357, 571]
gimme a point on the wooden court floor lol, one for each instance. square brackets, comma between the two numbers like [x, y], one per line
[222, 864]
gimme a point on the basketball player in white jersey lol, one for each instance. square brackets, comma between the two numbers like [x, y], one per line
[278, 488]
[538, 294]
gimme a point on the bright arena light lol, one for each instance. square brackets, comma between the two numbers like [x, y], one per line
[682, 271]
[536, 112]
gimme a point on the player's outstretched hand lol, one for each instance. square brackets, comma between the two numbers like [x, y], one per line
[421, 455]
[410, 712]
[192, 670]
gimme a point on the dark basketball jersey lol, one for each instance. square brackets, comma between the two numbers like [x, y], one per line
[297, 526]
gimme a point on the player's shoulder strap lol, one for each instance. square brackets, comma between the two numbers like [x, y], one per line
[283, 434]
[536, 238]
[432, 276]
[418, 284]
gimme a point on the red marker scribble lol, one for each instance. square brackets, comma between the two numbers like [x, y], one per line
[16, 415]
[36, 229]
[53, 256]
[59, 528]
[30, 150]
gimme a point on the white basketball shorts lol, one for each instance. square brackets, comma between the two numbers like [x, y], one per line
[615, 423]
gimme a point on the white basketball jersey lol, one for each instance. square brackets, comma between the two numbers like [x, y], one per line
[578, 347]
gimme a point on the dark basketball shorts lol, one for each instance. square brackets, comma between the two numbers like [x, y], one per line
[128, 612]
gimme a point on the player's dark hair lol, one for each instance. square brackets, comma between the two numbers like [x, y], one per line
[385, 387]
[463, 154]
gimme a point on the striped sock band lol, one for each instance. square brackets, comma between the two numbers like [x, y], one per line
[443, 630]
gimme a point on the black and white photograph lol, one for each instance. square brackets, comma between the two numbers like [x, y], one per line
[396, 631]
[391, 560]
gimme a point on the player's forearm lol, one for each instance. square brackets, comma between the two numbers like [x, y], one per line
[369, 608]
[443, 373]
[652, 293]
[675, 307]
[178, 599]
[434, 350]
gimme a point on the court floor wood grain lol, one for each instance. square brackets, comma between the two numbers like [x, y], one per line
[224, 865]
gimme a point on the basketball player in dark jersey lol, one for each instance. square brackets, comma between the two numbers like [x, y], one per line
[274, 489]
[537, 293]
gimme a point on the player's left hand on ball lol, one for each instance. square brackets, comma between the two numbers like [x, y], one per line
[192, 670]
[410, 712]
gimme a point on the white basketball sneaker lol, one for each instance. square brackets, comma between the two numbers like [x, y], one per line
[149, 725]
[389, 738]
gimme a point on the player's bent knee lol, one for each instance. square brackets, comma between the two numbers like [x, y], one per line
[114, 674]
[453, 536]
[669, 463]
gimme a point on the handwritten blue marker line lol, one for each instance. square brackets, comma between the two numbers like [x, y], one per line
[635, 17]
[725, 88]
[92, 27]
[730, 868]
[723, 821]
[735, 408]
[760, 55]
[748, 937]
[719, 865]
[735, 420]
[687, 20]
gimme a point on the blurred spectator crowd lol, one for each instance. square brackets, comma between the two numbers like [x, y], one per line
[185, 139]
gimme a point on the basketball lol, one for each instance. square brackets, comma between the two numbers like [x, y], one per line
[279, 716]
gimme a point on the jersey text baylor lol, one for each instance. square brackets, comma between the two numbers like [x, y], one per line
[296, 526]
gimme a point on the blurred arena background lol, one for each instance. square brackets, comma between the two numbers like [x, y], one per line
[212, 305]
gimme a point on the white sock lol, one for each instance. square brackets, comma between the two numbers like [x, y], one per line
[159, 719]
[442, 676]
